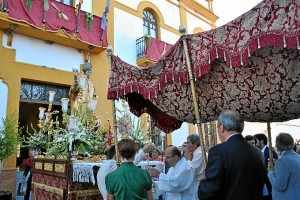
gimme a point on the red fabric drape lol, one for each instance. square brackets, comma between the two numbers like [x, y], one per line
[155, 49]
[34, 17]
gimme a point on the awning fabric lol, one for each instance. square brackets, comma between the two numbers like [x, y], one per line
[251, 65]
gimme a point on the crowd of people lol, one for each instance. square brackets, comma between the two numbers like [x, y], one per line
[238, 168]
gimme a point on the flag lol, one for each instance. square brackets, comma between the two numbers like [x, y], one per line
[103, 21]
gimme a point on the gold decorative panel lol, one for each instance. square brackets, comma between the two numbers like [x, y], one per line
[48, 166]
[38, 165]
[59, 168]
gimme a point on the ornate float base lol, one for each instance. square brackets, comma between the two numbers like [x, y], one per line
[52, 180]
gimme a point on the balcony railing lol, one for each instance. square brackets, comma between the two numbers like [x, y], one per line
[151, 48]
[141, 46]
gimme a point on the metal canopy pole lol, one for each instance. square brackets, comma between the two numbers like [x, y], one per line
[182, 30]
[114, 121]
[270, 141]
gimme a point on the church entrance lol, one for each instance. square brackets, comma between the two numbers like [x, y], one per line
[34, 95]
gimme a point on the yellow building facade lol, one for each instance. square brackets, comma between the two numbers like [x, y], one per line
[16, 74]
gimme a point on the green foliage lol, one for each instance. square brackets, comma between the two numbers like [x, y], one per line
[9, 136]
[36, 141]
[28, 4]
[88, 20]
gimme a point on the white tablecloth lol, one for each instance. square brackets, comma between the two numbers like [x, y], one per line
[83, 171]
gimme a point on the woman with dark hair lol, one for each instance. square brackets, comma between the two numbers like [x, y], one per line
[154, 155]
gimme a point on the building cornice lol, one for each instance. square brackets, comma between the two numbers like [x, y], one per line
[199, 10]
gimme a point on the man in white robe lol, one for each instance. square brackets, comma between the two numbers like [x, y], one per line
[178, 183]
[111, 165]
[194, 157]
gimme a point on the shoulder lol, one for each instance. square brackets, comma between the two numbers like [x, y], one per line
[114, 173]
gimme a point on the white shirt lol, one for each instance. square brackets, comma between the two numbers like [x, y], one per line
[178, 183]
[197, 164]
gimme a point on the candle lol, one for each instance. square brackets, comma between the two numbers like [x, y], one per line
[41, 114]
[64, 104]
[51, 96]
[72, 124]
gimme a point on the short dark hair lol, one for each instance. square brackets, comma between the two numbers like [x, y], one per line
[175, 152]
[284, 141]
[127, 148]
[232, 121]
[261, 136]
[111, 152]
[250, 137]
[194, 138]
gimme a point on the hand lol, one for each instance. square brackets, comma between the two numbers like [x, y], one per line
[153, 172]
[188, 155]
[271, 164]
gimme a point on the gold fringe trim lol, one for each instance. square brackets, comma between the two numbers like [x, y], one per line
[48, 188]
[78, 193]
[84, 193]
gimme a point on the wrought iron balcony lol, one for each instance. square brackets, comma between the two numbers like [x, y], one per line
[54, 22]
[149, 50]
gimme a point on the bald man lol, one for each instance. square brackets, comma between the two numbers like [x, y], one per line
[178, 183]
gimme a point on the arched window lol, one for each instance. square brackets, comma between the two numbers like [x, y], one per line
[149, 24]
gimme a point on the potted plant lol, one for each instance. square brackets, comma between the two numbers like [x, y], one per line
[9, 138]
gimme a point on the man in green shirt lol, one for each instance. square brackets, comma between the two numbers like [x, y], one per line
[128, 181]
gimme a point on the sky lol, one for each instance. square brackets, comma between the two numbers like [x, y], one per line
[228, 10]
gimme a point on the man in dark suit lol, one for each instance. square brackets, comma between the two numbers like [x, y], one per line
[235, 168]
[262, 142]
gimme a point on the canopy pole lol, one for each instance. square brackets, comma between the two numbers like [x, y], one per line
[114, 121]
[182, 30]
[270, 141]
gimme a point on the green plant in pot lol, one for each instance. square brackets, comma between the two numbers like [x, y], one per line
[9, 138]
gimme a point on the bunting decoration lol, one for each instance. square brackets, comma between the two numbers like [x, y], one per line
[60, 14]
[46, 8]
[77, 11]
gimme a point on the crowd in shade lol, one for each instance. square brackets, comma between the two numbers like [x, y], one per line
[239, 168]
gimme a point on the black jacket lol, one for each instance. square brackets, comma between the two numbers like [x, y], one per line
[235, 171]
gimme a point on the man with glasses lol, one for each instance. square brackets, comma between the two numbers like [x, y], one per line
[178, 182]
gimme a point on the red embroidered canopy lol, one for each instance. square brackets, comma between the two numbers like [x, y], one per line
[251, 64]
